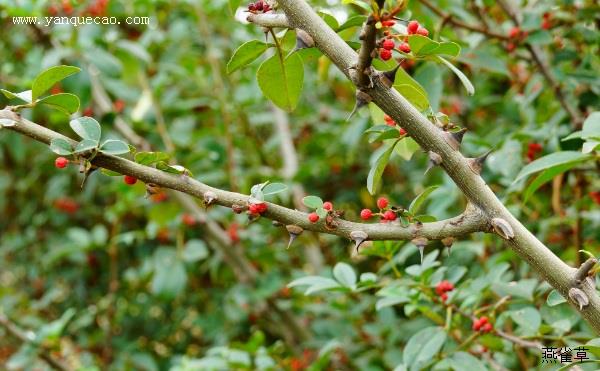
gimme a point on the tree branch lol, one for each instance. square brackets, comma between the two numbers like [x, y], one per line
[431, 138]
[269, 20]
[464, 224]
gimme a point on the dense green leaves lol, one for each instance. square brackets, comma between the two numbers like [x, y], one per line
[281, 80]
[423, 346]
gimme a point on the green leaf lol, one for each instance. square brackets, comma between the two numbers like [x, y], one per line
[86, 128]
[114, 147]
[463, 78]
[64, 102]
[448, 48]
[361, 4]
[406, 147]
[414, 96]
[344, 274]
[354, 21]
[61, 147]
[388, 133]
[391, 301]
[403, 78]
[282, 82]
[312, 202]
[85, 145]
[321, 212]
[25, 96]
[463, 361]
[419, 42]
[416, 204]
[234, 5]
[330, 20]
[49, 77]
[172, 169]
[545, 177]
[246, 54]
[555, 298]
[274, 188]
[591, 126]
[194, 250]
[423, 346]
[169, 277]
[571, 365]
[528, 319]
[554, 159]
[149, 158]
[374, 177]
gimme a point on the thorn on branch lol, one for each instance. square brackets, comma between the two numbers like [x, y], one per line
[476, 164]
[303, 40]
[362, 99]
[448, 242]
[294, 232]
[503, 228]
[420, 242]
[434, 160]
[584, 270]
[209, 198]
[454, 139]
[358, 237]
[579, 297]
[387, 78]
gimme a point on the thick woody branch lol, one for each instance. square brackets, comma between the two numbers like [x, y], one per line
[431, 138]
[28, 338]
[465, 224]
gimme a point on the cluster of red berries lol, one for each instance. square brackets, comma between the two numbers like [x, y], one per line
[388, 44]
[314, 217]
[257, 208]
[390, 122]
[259, 6]
[515, 35]
[97, 8]
[386, 216]
[533, 149]
[442, 288]
[482, 324]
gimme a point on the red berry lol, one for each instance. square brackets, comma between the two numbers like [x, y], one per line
[536, 147]
[388, 44]
[476, 325]
[595, 195]
[259, 5]
[444, 297]
[128, 179]
[327, 206]
[313, 217]
[514, 32]
[546, 24]
[483, 320]
[232, 231]
[385, 54]
[254, 209]
[61, 162]
[251, 7]
[389, 121]
[510, 47]
[402, 131]
[389, 23]
[422, 31]
[404, 47]
[412, 27]
[366, 214]
[382, 202]
[119, 105]
[188, 220]
[389, 215]
[486, 327]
